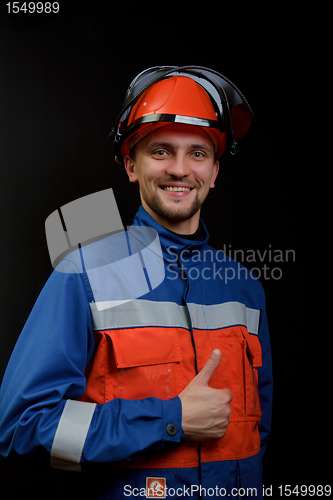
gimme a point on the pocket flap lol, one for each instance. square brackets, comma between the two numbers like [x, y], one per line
[145, 346]
[253, 347]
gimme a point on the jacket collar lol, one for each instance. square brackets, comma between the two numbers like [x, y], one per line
[172, 244]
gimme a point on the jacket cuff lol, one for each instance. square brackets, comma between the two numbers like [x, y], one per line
[172, 421]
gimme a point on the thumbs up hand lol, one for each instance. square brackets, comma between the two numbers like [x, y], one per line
[205, 411]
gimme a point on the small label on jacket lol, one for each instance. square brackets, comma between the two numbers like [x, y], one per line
[156, 487]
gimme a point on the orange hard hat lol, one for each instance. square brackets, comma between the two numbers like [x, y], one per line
[190, 95]
[176, 99]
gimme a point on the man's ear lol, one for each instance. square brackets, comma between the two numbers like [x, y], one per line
[130, 169]
[214, 174]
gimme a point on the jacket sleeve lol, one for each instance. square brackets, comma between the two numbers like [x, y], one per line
[265, 379]
[45, 377]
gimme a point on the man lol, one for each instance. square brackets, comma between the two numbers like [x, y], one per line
[166, 394]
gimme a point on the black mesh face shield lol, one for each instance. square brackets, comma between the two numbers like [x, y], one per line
[235, 116]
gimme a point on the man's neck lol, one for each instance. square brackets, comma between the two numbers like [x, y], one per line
[181, 228]
[195, 236]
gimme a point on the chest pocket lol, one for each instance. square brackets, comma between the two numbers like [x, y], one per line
[241, 356]
[144, 363]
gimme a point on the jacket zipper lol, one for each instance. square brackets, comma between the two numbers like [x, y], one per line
[196, 361]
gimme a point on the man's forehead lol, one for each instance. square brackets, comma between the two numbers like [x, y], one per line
[178, 135]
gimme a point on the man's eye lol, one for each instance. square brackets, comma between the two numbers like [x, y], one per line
[198, 154]
[159, 152]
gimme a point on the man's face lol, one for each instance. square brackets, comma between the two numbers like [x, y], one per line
[175, 168]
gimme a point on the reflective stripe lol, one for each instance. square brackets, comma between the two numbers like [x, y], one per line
[107, 304]
[224, 315]
[140, 313]
[71, 435]
[136, 313]
[252, 320]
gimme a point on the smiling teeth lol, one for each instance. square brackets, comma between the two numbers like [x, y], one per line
[171, 188]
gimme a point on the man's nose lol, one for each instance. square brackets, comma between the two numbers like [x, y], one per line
[179, 166]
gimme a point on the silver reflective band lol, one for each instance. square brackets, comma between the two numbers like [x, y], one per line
[71, 435]
[136, 313]
[191, 120]
[224, 315]
[141, 313]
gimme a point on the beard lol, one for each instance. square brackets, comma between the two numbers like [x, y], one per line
[177, 213]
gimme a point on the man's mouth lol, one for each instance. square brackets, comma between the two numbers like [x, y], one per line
[175, 188]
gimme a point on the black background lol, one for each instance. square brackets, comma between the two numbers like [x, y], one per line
[62, 82]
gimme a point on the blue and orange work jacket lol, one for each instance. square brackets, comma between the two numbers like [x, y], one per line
[110, 343]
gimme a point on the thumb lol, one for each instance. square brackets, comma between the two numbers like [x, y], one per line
[211, 365]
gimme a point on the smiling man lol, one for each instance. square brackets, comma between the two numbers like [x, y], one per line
[167, 394]
[175, 167]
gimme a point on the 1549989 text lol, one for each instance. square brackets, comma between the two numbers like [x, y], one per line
[33, 7]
